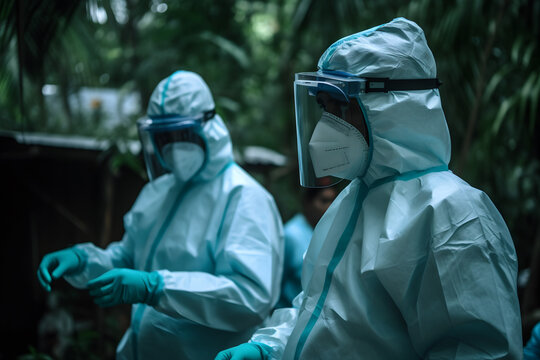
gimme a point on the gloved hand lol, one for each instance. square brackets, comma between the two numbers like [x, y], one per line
[57, 264]
[247, 351]
[125, 286]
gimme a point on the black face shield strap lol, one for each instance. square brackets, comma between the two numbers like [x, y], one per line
[386, 85]
[209, 114]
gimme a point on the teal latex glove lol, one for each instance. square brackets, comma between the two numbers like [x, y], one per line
[125, 286]
[247, 351]
[59, 263]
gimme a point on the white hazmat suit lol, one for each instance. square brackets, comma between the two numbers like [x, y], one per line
[216, 241]
[409, 262]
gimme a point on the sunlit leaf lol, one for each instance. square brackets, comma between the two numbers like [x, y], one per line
[527, 55]
[535, 98]
[516, 47]
[228, 103]
[227, 46]
[525, 95]
[501, 114]
[494, 82]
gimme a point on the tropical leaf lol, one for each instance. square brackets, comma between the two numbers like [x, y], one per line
[535, 99]
[506, 105]
[227, 46]
[495, 81]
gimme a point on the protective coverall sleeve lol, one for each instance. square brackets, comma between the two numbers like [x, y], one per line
[461, 302]
[118, 254]
[248, 260]
[276, 331]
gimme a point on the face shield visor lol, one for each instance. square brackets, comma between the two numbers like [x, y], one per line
[318, 96]
[331, 146]
[173, 144]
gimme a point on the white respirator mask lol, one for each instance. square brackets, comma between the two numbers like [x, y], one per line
[337, 148]
[184, 159]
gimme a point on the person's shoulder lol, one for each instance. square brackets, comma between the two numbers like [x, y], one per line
[296, 224]
[450, 198]
[298, 218]
[450, 189]
[297, 229]
[463, 209]
[536, 331]
[234, 180]
[241, 178]
[158, 187]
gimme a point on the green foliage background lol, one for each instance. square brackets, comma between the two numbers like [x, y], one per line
[248, 51]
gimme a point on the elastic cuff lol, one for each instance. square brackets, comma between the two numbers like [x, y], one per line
[155, 282]
[264, 349]
[83, 258]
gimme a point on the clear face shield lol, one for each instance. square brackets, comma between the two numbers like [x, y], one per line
[319, 97]
[173, 144]
[330, 129]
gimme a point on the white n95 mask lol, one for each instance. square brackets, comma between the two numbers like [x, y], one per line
[337, 148]
[183, 159]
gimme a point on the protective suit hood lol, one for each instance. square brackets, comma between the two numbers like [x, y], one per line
[407, 129]
[186, 94]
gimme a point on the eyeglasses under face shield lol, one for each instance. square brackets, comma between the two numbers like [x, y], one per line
[156, 133]
[333, 91]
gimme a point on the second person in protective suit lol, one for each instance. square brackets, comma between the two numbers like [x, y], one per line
[409, 261]
[202, 254]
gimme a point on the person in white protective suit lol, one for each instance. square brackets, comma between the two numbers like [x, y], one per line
[409, 261]
[202, 254]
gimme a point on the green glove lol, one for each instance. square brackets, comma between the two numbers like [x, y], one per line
[59, 263]
[125, 286]
[247, 351]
